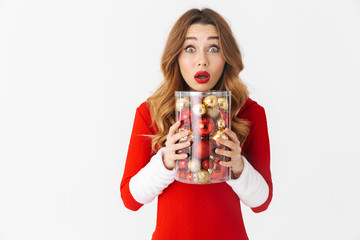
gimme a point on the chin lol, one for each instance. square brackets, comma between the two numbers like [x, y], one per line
[201, 87]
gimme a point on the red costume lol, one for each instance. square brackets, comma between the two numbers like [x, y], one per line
[190, 211]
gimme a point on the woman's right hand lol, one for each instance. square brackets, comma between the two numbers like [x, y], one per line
[172, 145]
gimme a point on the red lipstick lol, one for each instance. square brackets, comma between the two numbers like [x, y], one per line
[202, 77]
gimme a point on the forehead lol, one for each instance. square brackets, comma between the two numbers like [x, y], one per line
[198, 30]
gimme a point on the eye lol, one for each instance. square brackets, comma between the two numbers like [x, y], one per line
[190, 49]
[214, 49]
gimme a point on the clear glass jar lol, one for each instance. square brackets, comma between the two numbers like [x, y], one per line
[205, 115]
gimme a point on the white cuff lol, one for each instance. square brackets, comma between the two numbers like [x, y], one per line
[151, 180]
[250, 187]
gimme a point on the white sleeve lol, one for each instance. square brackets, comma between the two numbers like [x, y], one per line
[250, 187]
[151, 180]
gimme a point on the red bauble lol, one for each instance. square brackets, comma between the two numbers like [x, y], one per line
[220, 173]
[207, 164]
[184, 175]
[204, 126]
[185, 117]
[202, 148]
[182, 164]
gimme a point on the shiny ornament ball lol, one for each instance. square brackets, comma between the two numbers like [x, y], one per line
[207, 164]
[182, 164]
[194, 165]
[202, 148]
[204, 176]
[226, 117]
[220, 123]
[184, 175]
[199, 109]
[185, 117]
[188, 137]
[213, 112]
[182, 103]
[223, 103]
[220, 134]
[204, 126]
[210, 101]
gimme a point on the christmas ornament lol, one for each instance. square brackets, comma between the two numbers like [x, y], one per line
[202, 148]
[184, 175]
[182, 103]
[210, 101]
[204, 126]
[213, 112]
[226, 117]
[223, 103]
[199, 109]
[204, 176]
[207, 164]
[220, 134]
[220, 123]
[220, 172]
[182, 164]
[194, 165]
[185, 117]
[188, 137]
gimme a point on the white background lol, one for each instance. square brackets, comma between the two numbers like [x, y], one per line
[73, 72]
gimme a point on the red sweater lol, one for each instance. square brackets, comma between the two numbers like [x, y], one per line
[187, 211]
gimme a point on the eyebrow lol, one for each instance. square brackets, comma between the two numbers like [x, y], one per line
[194, 38]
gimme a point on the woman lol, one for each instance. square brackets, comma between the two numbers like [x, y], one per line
[201, 40]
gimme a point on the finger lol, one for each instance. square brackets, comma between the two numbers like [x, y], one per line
[232, 136]
[180, 135]
[224, 152]
[227, 143]
[174, 128]
[225, 164]
[180, 156]
[181, 145]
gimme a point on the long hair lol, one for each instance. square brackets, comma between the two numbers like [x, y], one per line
[162, 102]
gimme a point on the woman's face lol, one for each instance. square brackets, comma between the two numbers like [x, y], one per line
[201, 61]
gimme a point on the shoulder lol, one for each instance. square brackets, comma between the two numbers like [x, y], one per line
[251, 110]
[144, 111]
[143, 108]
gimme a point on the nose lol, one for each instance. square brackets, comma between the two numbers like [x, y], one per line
[202, 60]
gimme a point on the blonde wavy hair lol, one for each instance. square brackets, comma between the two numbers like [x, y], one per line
[162, 102]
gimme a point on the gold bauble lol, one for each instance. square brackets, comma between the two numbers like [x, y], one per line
[213, 112]
[188, 137]
[182, 103]
[220, 134]
[210, 101]
[223, 103]
[204, 176]
[199, 109]
[194, 165]
[220, 123]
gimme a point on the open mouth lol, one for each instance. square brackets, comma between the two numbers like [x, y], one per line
[202, 77]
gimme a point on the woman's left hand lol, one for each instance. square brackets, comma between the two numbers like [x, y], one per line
[236, 163]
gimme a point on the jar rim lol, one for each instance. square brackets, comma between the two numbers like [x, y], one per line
[205, 93]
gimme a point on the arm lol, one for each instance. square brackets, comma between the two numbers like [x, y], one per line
[254, 186]
[145, 175]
